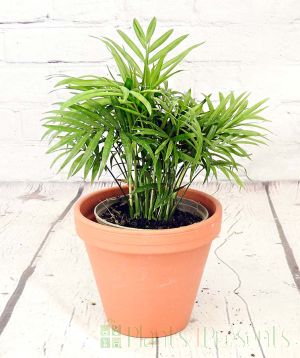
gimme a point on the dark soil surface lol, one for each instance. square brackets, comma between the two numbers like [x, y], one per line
[118, 214]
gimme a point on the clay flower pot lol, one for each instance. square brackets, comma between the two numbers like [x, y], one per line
[147, 279]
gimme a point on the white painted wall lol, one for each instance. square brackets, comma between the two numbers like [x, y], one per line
[251, 45]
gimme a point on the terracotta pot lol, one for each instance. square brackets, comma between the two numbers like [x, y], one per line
[147, 279]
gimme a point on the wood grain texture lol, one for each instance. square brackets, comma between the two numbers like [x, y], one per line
[248, 303]
[284, 200]
[26, 214]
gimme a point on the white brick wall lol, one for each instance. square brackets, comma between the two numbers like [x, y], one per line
[20, 11]
[251, 45]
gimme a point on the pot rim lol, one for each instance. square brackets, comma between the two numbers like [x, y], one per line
[149, 232]
[204, 215]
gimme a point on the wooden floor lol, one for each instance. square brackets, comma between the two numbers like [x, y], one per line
[248, 304]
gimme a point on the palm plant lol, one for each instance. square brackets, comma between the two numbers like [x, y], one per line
[154, 136]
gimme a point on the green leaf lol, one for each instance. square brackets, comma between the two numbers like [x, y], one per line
[75, 150]
[169, 150]
[125, 94]
[131, 111]
[128, 83]
[143, 188]
[164, 78]
[69, 121]
[95, 169]
[183, 136]
[167, 49]
[225, 172]
[154, 132]
[145, 145]
[90, 149]
[142, 99]
[236, 178]
[130, 60]
[109, 141]
[124, 71]
[243, 132]
[161, 146]
[46, 134]
[80, 114]
[89, 95]
[58, 157]
[131, 44]
[185, 157]
[139, 32]
[162, 39]
[74, 165]
[63, 128]
[177, 59]
[98, 82]
[88, 167]
[155, 73]
[65, 140]
[151, 29]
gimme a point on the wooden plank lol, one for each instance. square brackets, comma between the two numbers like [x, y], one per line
[60, 313]
[26, 214]
[284, 200]
[247, 305]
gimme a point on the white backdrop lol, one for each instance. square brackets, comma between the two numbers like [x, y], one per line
[251, 45]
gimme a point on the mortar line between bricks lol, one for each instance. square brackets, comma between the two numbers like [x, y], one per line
[27, 273]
